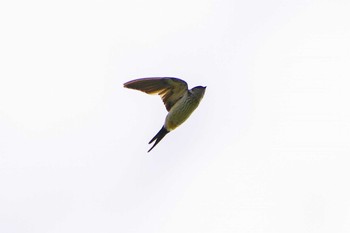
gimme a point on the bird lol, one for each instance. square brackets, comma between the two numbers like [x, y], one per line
[179, 101]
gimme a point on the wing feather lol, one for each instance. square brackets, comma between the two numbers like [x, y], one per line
[170, 89]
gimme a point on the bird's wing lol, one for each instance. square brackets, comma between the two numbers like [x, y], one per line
[170, 89]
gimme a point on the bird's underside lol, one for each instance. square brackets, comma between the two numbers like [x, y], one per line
[172, 91]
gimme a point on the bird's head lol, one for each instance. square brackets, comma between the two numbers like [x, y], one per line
[198, 91]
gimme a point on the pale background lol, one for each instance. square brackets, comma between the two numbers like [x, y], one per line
[267, 150]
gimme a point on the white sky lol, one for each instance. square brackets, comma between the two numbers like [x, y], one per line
[267, 150]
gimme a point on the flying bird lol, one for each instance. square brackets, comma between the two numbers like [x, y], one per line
[178, 100]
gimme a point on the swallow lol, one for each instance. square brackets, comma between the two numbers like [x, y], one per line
[178, 100]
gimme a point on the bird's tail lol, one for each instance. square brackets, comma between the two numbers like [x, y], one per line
[159, 136]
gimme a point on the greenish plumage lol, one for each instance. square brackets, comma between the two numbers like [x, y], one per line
[178, 100]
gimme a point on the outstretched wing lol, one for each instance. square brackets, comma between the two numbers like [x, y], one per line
[170, 89]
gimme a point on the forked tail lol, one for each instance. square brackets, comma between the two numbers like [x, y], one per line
[159, 136]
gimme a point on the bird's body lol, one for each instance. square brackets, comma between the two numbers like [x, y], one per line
[179, 101]
[181, 111]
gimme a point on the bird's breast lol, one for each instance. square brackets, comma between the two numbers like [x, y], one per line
[181, 111]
